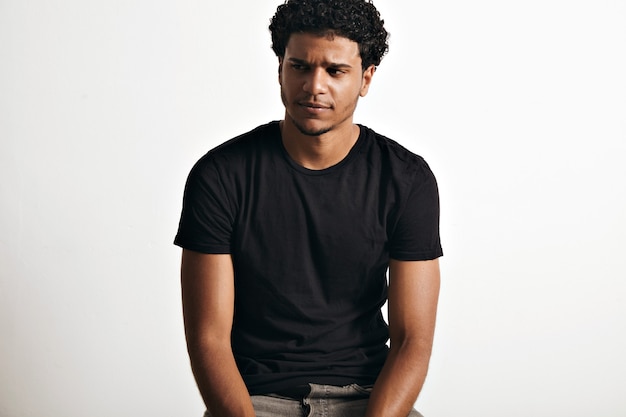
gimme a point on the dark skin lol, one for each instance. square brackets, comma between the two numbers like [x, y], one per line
[208, 305]
[321, 80]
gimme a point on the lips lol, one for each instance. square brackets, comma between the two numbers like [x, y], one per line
[313, 109]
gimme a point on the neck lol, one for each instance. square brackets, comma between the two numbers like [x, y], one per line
[318, 152]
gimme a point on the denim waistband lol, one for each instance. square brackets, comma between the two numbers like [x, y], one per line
[300, 392]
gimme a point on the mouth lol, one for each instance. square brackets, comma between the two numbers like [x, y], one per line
[313, 107]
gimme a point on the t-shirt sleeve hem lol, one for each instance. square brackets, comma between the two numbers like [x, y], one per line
[417, 256]
[208, 249]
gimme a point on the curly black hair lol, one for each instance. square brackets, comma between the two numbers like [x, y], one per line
[357, 20]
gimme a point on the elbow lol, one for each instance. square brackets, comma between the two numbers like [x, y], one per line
[201, 345]
[411, 346]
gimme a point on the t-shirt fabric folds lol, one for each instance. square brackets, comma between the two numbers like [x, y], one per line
[310, 251]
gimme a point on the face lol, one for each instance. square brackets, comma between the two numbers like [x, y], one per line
[321, 81]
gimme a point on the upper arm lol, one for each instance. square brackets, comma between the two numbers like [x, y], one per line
[413, 297]
[208, 293]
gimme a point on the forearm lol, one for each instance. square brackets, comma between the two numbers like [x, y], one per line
[400, 380]
[413, 295]
[219, 381]
[208, 294]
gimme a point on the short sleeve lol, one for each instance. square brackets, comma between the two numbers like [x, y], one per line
[416, 234]
[206, 221]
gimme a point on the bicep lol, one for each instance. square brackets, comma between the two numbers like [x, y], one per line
[413, 297]
[207, 283]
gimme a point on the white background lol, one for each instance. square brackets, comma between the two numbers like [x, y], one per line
[518, 106]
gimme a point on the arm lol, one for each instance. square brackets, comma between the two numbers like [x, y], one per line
[413, 295]
[208, 292]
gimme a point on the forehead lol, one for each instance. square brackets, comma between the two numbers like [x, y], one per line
[327, 48]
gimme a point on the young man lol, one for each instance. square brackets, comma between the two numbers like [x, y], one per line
[288, 232]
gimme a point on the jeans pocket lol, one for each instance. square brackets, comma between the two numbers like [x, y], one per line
[364, 390]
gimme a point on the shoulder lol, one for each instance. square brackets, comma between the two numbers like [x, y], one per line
[241, 148]
[393, 155]
[254, 137]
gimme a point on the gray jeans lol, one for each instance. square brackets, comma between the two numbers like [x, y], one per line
[324, 400]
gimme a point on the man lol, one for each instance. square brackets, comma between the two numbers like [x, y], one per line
[288, 232]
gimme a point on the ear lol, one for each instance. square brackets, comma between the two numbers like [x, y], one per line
[280, 71]
[368, 74]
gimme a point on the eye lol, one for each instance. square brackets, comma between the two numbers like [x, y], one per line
[298, 67]
[336, 71]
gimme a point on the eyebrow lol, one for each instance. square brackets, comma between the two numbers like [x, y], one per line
[330, 64]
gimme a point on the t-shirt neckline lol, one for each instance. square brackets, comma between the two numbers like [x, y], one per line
[314, 172]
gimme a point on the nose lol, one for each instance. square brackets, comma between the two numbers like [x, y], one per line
[316, 82]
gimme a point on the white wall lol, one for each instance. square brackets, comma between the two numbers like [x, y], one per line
[519, 107]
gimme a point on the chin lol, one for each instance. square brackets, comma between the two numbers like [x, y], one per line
[311, 129]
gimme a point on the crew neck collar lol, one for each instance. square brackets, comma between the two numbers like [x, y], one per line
[346, 160]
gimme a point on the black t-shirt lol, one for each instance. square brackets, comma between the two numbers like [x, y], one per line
[310, 251]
